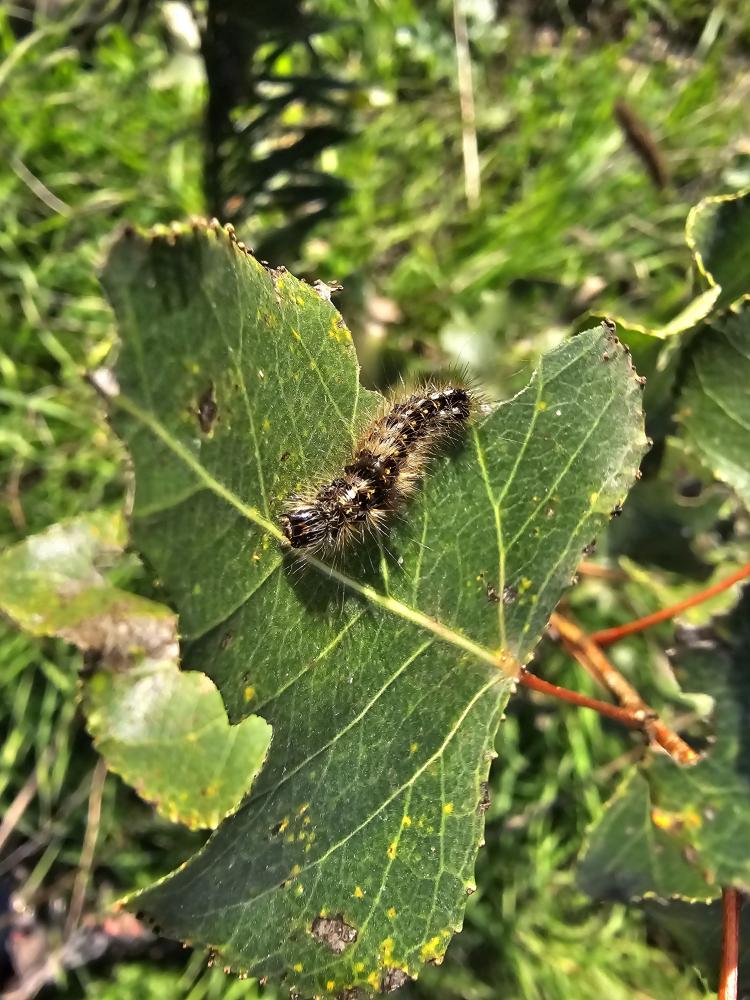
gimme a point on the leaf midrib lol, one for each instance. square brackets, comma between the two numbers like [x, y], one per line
[501, 660]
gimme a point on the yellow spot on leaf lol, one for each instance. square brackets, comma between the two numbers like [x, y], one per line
[593, 498]
[392, 850]
[330, 985]
[433, 949]
[299, 890]
[249, 692]
[295, 870]
[298, 966]
[406, 821]
[359, 966]
[266, 425]
[524, 584]
[414, 747]
[541, 405]
[391, 912]
[374, 980]
[358, 892]
[673, 822]
[448, 808]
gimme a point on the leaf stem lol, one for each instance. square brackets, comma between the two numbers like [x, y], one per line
[730, 944]
[609, 635]
[584, 649]
[623, 715]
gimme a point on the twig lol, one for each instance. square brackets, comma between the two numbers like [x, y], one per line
[17, 808]
[599, 572]
[623, 715]
[583, 648]
[579, 645]
[609, 635]
[730, 944]
[472, 179]
[78, 894]
[642, 142]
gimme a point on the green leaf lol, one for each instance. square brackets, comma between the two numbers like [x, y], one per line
[697, 932]
[714, 406]
[52, 584]
[718, 233]
[697, 310]
[165, 732]
[675, 832]
[384, 677]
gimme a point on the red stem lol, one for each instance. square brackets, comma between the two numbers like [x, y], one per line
[623, 715]
[609, 635]
[730, 944]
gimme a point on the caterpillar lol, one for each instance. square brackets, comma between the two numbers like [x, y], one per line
[385, 469]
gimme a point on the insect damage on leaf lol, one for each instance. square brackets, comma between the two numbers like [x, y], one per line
[333, 932]
[208, 409]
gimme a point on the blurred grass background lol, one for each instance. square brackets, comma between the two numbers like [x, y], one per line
[469, 226]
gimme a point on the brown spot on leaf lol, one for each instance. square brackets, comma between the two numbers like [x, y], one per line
[276, 275]
[119, 636]
[334, 932]
[393, 979]
[484, 801]
[208, 410]
[326, 289]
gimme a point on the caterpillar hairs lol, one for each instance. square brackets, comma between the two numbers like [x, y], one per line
[387, 464]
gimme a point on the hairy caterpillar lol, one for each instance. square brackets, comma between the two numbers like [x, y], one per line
[385, 469]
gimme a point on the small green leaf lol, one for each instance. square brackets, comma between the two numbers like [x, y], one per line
[714, 406]
[673, 831]
[697, 310]
[164, 731]
[53, 584]
[718, 233]
[384, 676]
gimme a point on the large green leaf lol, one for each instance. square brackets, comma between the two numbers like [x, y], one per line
[683, 832]
[384, 677]
[718, 233]
[715, 402]
[166, 732]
